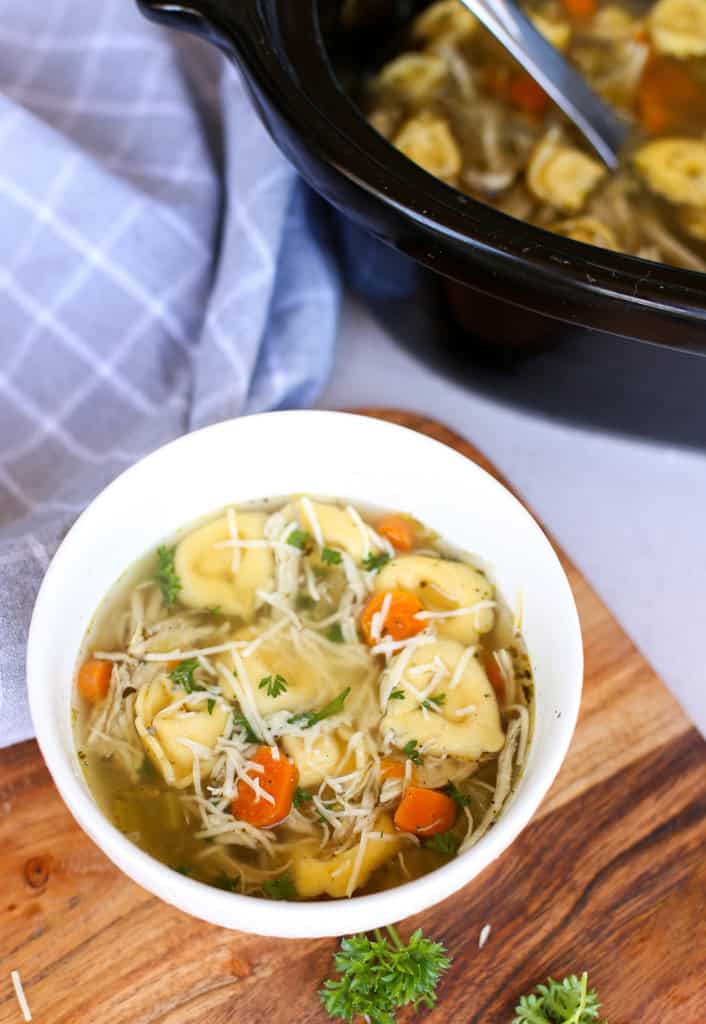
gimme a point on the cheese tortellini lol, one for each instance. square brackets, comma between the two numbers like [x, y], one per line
[676, 169]
[429, 142]
[562, 175]
[415, 75]
[206, 570]
[443, 586]
[315, 877]
[337, 527]
[589, 230]
[162, 727]
[678, 27]
[443, 22]
[465, 724]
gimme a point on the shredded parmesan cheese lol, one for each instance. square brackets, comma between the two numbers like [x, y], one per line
[20, 994]
[313, 521]
[360, 526]
[232, 518]
[461, 666]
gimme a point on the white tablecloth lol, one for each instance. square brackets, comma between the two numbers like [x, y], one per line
[630, 513]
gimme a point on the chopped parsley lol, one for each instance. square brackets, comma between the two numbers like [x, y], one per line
[273, 686]
[443, 842]
[298, 539]
[183, 675]
[433, 702]
[166, 577]
[455, 793]
[335, 633]
[305, 601]
[147, 770]
[210, 704]
[560, 1002]
[331, 557]
[374, 563]
[184, 869]
[241, 722]
[300, 797]
[411, 750]
[280, 888]
[216, 610]
[396, 695]
[225, 882]
[308, 718]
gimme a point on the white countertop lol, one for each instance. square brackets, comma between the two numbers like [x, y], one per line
[631, 513]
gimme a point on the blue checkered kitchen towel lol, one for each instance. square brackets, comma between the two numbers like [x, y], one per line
[161, 268]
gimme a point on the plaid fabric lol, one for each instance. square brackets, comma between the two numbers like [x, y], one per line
[161, 267]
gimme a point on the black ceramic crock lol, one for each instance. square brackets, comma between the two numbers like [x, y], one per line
[292, 54]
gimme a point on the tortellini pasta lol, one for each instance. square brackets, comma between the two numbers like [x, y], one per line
[562, 175]
[446, 21]
[415, 75]
[556, 32]
[314, 757]
[315, 877]
[443, 586]
[162, 728]
[678, 27]
[206, 571]
[465, 724]
[676, 169]
[589, 230]
[337, 527]
[429, 142]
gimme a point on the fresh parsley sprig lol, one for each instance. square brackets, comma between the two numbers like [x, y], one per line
[560, 1002]
[455, 793]
[412, 751]
[308, 718]
[298, 539]
[166, 577]
[329, 556]
[242, 722]
[183, 675]
[379, 976]
[273, 685]
[280, 888]
[300, 797]
[334, 634]
[374, 563]
[443, 842]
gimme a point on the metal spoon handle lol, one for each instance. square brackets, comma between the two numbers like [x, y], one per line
[599, 124]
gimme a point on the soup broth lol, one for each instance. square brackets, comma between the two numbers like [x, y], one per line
[304, 699]
[454, 101]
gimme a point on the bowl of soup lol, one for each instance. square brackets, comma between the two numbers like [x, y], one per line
[411, 120]
[304, 673]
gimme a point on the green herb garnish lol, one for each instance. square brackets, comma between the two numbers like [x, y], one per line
[331, 557]
[298, 539]
[374, 563]
[210, 704]
[411, 750]
[396, 695]
[377, 976]
[166, 577]
[241, 722]
[455, 793]
[216, 610]
[335, 633]
[443, 842]
[183, 675]
[225, 882]
[184, 869]
[560, 1002]
[280, 888]
[305, 601]
[431, 702]
[308, 718]
[147, 770]
[300, 797]
[273, 686]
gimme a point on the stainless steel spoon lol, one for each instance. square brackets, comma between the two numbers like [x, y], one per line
[598, 123]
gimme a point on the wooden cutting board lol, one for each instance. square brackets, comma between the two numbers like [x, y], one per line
[610, 877]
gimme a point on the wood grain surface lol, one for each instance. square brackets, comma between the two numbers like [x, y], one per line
[610, 876]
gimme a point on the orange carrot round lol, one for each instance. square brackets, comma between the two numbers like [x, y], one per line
[94, 680]
[390, 769]
[400, 622]
[494, 674]
[667, 97]
[581, 9]
[279, 780]
[425, 812]
[399, 531]
[526, 94]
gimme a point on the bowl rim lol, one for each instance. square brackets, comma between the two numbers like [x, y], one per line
[297, 919]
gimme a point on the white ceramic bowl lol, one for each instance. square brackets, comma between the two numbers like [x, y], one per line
[277, 454]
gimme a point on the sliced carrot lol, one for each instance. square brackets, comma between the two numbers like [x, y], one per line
[526, 94]
[278, 780]
[171, 665]
[399, 531]
[390, 769]
[668, 97]
[400, 622]
[582, 9]
[494, 674]
[425, 812]
[94, 680]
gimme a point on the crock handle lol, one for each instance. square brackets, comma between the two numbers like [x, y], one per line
[212, 20]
